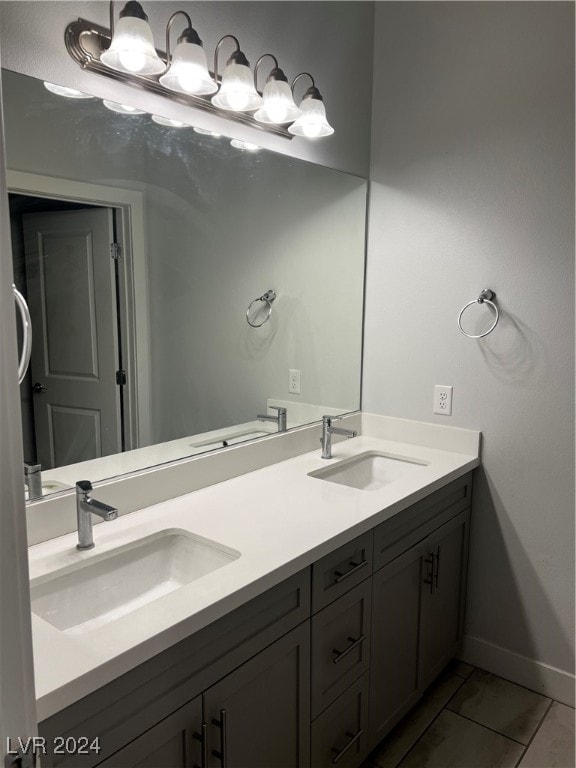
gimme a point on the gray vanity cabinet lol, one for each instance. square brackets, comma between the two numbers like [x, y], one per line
[259, 715]
[312, 673]
[175, 742]
[417, 602]
[443, 585]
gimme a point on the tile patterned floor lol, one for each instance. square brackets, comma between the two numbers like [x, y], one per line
[471, 719]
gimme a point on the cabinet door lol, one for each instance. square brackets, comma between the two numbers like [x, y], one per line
[443, 597]
[259, 715]
[396, 594]
[175, 742]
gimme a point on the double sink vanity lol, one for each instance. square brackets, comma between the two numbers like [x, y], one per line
[289, 616]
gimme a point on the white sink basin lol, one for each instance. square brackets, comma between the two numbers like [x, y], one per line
[85, 596]
[370, 471]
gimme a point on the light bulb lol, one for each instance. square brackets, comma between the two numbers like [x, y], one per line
[311, 130]
[133, 61]
[238, 100]
[277, 110]
[190, 79]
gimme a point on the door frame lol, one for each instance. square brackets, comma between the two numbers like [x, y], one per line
[17, 695]
[133, 277]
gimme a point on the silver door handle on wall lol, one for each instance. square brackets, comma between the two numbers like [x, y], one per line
[26, 334]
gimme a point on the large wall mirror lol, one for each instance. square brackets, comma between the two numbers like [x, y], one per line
[142, 350]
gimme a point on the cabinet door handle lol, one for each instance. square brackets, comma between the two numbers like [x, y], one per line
[354, 567]
[353, 739]
[437, 575]
[353, 644]
[222, 755]
[430, 560]
[202, 738]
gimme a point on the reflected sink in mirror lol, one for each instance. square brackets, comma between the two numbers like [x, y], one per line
[88, 595]
[370, 471]
[231, 439]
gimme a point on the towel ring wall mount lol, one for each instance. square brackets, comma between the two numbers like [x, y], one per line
[267, 298]
[487, 296]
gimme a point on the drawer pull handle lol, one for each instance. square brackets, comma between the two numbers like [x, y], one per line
[222, 754]
[202, 738]
[354, 567]
[353, 739]
[353, 644]
[430, 577]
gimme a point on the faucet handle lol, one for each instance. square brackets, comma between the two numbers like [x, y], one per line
[83, 486]
[30, 469]
[278, 408]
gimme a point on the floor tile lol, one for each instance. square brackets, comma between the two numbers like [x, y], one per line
[461, 668]
[400, 740]
[498, 704]
[454, 742]
[553, 745]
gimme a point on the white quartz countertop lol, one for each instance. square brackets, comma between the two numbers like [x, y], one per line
[278, 518]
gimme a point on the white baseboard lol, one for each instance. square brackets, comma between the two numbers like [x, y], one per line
[550, 681]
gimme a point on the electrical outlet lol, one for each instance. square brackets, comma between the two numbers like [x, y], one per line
[443, 400]
[293, 381]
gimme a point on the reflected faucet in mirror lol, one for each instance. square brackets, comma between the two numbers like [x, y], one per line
[85, 507]
[33, 480]
[279, 419]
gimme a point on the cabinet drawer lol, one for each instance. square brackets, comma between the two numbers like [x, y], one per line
[340, 645]
[402, 531]
[134, 702]
[339, 734]
[341, 570]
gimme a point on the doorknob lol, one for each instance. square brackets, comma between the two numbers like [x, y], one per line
[38, 388]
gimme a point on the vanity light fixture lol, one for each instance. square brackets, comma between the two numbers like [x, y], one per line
[187, 68]
[278, 102]
[126, 53]
[312, 124]
[132, 47]
[63, 90]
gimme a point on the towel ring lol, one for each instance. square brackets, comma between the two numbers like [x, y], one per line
[486, 297]
[24, 361]
[268, 298]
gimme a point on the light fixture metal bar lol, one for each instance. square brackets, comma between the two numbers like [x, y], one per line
[86, 41]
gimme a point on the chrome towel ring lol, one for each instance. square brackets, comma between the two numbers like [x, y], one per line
[486, 297]
[268, 298]
[26, 334]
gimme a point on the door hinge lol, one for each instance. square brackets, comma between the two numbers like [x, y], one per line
[22, 758]
[116, 251]
[121, 378]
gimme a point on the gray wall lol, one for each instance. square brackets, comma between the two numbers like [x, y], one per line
[473, 186]
[332, 40]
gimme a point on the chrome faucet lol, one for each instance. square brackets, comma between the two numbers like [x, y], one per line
[328, 430]
[85, 507]
[280, 419]
[33, 479]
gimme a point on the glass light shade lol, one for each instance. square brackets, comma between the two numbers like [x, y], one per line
[132, 49]
[312, 124]
[188, 72]
[237, 92]
[206, 132]
[247, 145]
[278, 106]
[63, 90]
[167, 121]
[123, 109]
